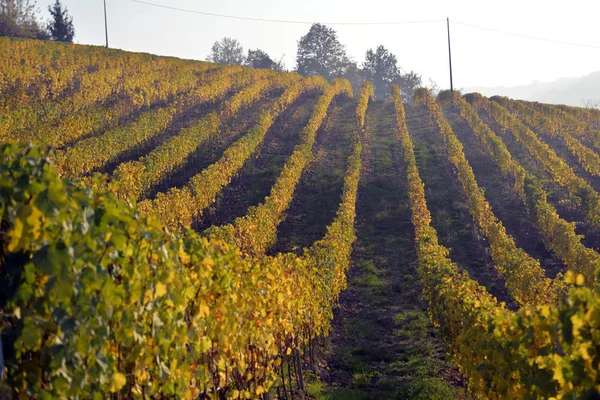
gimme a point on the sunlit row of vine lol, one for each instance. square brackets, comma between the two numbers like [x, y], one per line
[135, 178]
[95, 152]
[524, 277]
[549, 122]
[178, 207]
[256, 232]
[559, 235]
[563, 175]
[549, 351]
[241, 316]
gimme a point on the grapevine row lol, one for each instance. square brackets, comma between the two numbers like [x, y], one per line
[95, 152]
[33, 70]
[524, 277]
[579, 122]
[169, 315]
[590, 117]
[24, 122]
[536, 352]
[562, 174]
[330, 257]
[137, 177]
[30, 70]
[129, 97]
[549, 123]
[256, 232]
[165, 312]
[178, 207]
[558, 234]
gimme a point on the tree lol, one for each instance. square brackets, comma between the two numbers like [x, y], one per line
[356, 77]
[320, 53]
[227, 51]
[18, 19]
[259, 59]
[381, 68]
[408, 83]
[279, 65]
[433, 87]
[60, 27]
[590, 103]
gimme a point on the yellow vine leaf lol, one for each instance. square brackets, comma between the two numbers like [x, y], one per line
[161, 289]
[203, 309]
[118, 382]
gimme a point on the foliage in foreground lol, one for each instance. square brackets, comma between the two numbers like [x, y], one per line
[168, 314]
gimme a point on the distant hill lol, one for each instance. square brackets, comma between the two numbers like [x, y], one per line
[569, 91]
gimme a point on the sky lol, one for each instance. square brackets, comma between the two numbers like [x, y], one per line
[479, 57]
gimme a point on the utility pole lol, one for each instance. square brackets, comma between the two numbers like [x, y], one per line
[105, 24]
[449, 55]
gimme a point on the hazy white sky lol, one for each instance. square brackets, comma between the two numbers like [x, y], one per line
[480, 58]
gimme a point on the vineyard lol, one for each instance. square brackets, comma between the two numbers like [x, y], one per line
[182, 229]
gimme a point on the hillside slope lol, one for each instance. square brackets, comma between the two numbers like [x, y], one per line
[187, 229]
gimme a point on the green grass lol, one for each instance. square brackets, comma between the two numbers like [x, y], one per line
[317, 390]
[347, 394]
[412, 323]
[426, 389]
[369, 277]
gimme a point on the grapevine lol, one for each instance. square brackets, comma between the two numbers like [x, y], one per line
[559, 235]
[561, 173]
[524, 276]
[178, 207]
[550, 123]
[205, 283]
[136, 177]
[539, 346]
[256, 232]
[95, 152]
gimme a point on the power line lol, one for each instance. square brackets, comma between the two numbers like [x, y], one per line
[281, 20]
[526, 36]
